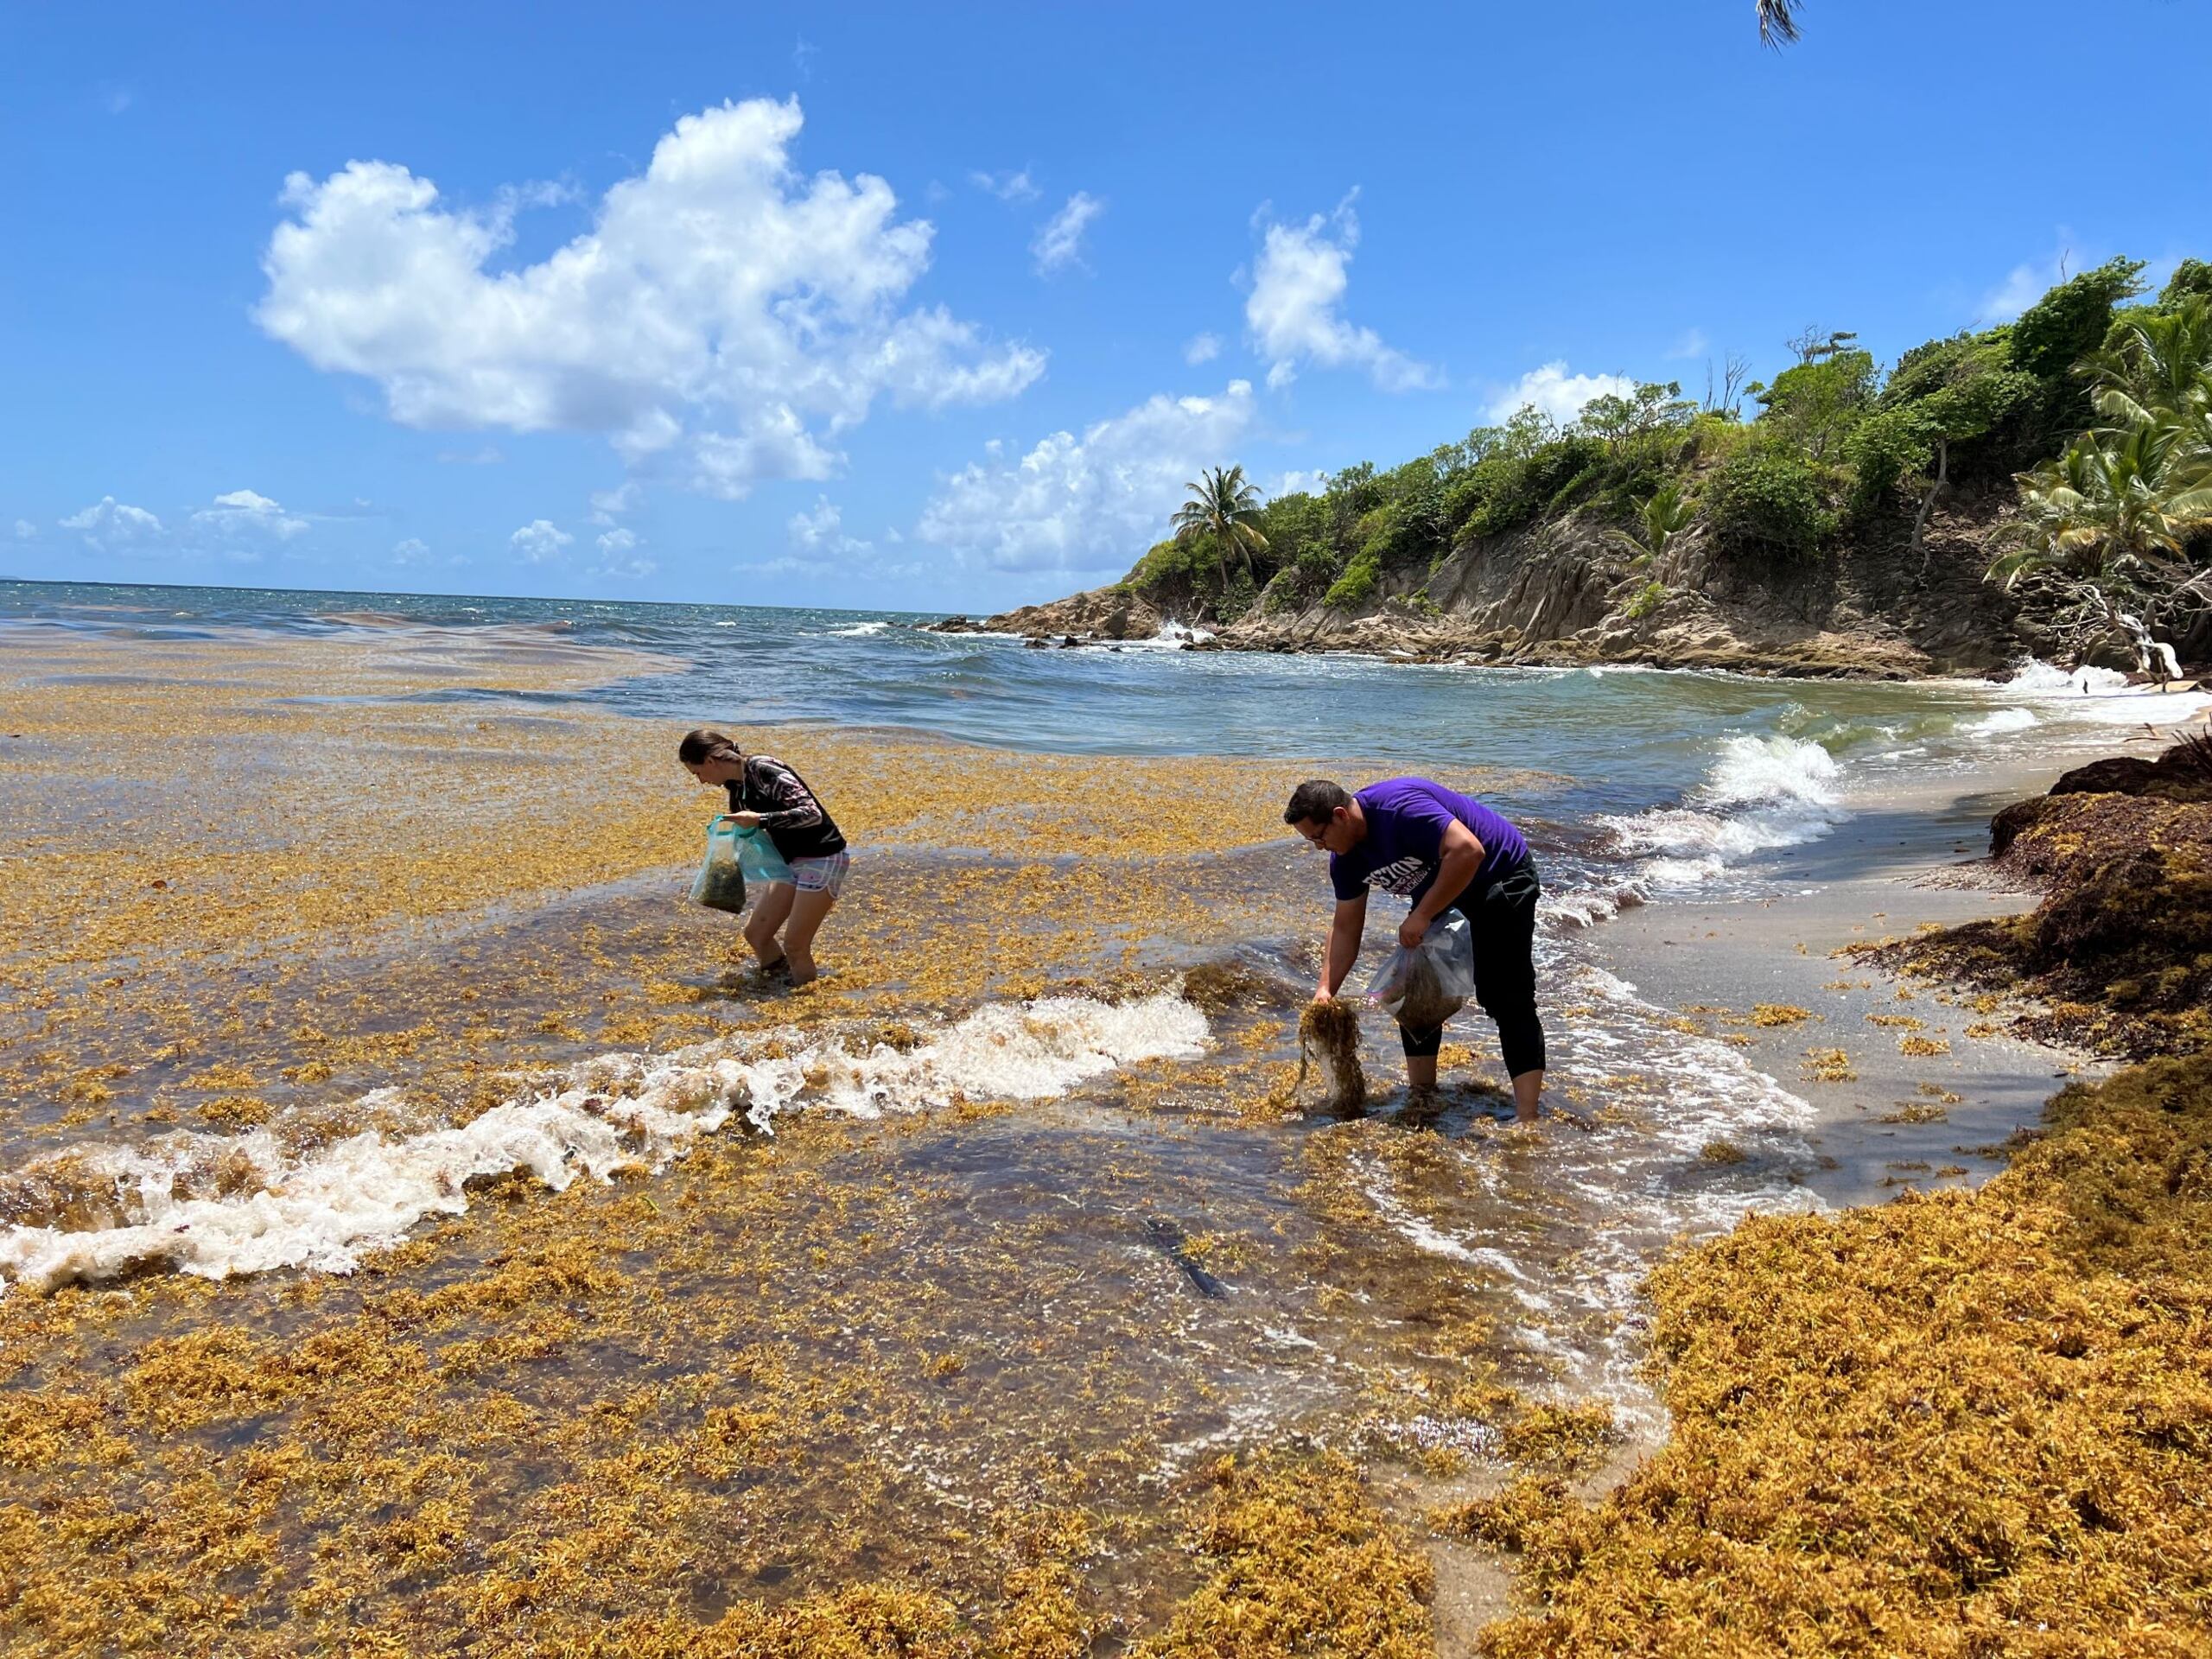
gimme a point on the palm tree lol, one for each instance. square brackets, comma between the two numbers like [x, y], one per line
[1222, 505]
[2137, 498]
[2107, 525]
[1777, 22]
[1661, 516]
[2159, 369]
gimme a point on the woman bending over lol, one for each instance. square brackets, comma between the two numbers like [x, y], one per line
[765, 794]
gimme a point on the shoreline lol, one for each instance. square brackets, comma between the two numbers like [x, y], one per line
[1749, 665]
[1913, 865]
[1842, 657]
[1934, 1367]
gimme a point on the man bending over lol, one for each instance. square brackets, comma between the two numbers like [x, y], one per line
[1439, 849]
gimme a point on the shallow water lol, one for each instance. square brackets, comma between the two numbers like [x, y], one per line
[1058, 1031]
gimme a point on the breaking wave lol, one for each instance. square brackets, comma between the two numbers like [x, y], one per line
[216, 1206]
[2002, 721]
[1761, 794]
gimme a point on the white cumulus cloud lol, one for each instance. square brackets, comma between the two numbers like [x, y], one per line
[1297, 287]
[538, 541]
[2026, 283]
[246, 513]
[1087, 503]
[1557, 392]
[1297, 482]
[608, 505]
[1060, 243]
[779, 447]
[1202, 348]
[2019, 290]
[721, 304]
[111, 524]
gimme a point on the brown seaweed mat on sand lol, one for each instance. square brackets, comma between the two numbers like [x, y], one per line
[1329, 1031]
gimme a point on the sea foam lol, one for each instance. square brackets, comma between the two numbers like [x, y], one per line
[324, 1208]
[2100, 695]
[1762, 793]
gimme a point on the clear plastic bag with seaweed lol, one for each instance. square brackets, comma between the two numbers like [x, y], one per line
[720, 884]
[735, 855]
[1425, 986]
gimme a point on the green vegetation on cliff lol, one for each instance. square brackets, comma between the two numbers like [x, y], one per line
[2099, 406]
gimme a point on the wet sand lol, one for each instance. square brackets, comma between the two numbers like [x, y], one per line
[1888, 1118]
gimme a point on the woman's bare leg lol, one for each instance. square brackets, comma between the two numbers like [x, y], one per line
[807, 911]
[768, 913]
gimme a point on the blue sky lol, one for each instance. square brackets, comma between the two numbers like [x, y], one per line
[866, 306]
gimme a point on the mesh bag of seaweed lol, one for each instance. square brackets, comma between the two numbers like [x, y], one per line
[1428, 984]
[720, 884]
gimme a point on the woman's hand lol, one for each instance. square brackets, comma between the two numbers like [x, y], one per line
[1412, 930]
[742, 820]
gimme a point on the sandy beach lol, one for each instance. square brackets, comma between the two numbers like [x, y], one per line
[1938, 1117]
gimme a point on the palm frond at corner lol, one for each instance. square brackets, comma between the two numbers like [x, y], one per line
[1777, 22]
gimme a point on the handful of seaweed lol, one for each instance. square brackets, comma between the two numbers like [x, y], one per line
[1329, 1033]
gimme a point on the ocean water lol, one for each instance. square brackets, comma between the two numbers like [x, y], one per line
[1635, 786]
[1767, 755]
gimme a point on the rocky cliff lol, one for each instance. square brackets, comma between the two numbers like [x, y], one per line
[1566, 591]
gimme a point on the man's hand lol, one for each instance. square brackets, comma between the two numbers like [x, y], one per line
[1412, 930]
[742, 820]
[1322, 993]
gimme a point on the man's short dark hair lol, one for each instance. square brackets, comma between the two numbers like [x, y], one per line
[1315, 801]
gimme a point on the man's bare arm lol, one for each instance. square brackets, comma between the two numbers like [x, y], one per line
[1342, 947]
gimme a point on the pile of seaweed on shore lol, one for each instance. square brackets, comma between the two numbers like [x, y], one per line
[2119, 951]
[1962, 1423]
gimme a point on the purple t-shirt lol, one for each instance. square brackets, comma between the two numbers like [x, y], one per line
[1406, 821]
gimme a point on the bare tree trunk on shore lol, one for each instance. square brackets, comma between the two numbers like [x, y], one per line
[1927, 503]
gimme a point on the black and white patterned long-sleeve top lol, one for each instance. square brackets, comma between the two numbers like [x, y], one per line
[795, 820]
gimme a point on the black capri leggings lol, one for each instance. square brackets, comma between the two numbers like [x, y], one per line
[1503, 911]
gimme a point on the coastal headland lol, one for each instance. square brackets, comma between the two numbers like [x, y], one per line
[1569, 593]
[1950, 513]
